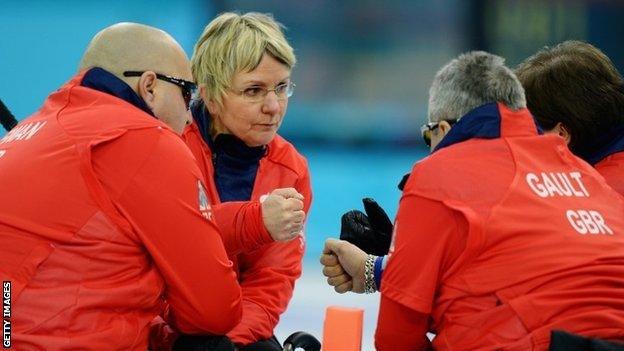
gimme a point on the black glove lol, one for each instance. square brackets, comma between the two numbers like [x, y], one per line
[371, 232]
[187, 342]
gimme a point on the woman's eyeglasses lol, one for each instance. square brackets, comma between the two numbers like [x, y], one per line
[257, 93]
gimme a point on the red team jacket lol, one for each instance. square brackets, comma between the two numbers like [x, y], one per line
[267, 270]
[499, 241]
[612, 168]
[101, 218]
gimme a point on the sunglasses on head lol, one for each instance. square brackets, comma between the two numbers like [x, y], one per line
[188, 88]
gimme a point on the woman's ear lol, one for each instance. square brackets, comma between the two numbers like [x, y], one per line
[146, 85]
[213, 107]
[210, 104]
[202, 91]
[561, 130]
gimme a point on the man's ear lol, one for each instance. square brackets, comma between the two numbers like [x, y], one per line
[444, 127]
[561, 130]
[146, 85]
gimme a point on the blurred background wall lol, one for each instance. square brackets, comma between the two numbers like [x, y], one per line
[364, 66]
[363, 72]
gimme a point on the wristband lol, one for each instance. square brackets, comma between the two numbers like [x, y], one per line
[378, 271]
[369, 275]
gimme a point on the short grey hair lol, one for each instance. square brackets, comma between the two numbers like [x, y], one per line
[471, 80]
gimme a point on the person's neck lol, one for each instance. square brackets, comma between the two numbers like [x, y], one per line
[101, 80]
[608, 143]
[236, 149]
[216, 128]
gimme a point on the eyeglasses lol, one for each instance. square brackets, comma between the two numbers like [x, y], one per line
[257, 93]
[188, 88]
[427, 128]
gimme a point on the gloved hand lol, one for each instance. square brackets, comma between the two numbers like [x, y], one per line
[371, 232]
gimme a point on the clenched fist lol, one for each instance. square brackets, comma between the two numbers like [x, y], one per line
[282, 213]
[343, 265]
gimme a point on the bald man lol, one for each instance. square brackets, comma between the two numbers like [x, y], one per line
[104, 214]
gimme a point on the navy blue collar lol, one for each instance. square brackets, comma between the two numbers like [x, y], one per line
[608, 144]
[235, 164]
[202, 118]
[235, 148]
[106, 82]
[482, 122]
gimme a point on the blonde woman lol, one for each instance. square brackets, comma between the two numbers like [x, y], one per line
[257, 182]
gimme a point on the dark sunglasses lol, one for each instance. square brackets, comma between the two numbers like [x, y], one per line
[188, 88]
[427, 128]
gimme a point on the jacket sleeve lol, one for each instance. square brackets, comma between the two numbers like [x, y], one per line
[267, 279]
[240, 222]
[161, 202]
[400, 328]
[429, 237]
[241, 226]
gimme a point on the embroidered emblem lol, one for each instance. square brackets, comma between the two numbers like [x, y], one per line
[204, 204]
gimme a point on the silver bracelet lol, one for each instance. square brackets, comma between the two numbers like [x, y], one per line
[369, 275]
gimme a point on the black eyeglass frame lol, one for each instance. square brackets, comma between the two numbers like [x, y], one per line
[427, 128]
[188, 88]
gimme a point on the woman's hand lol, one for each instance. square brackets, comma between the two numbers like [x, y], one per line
[282, 213]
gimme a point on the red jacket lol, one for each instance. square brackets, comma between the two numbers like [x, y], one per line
[612, 168]
[267, 270]
[101, 220]
[500, 241]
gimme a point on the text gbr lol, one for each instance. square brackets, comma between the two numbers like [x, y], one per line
[552, 184]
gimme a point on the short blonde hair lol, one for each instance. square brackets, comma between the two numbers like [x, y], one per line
[233, 43]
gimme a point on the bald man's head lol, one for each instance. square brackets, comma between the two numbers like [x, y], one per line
[135, 47]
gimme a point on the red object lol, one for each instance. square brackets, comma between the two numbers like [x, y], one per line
[342, 330]
[100, 222]
[612, 168]
[267, 270]
[501, 241]
[401, 328]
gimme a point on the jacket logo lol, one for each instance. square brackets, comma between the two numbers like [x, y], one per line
[204, 204]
